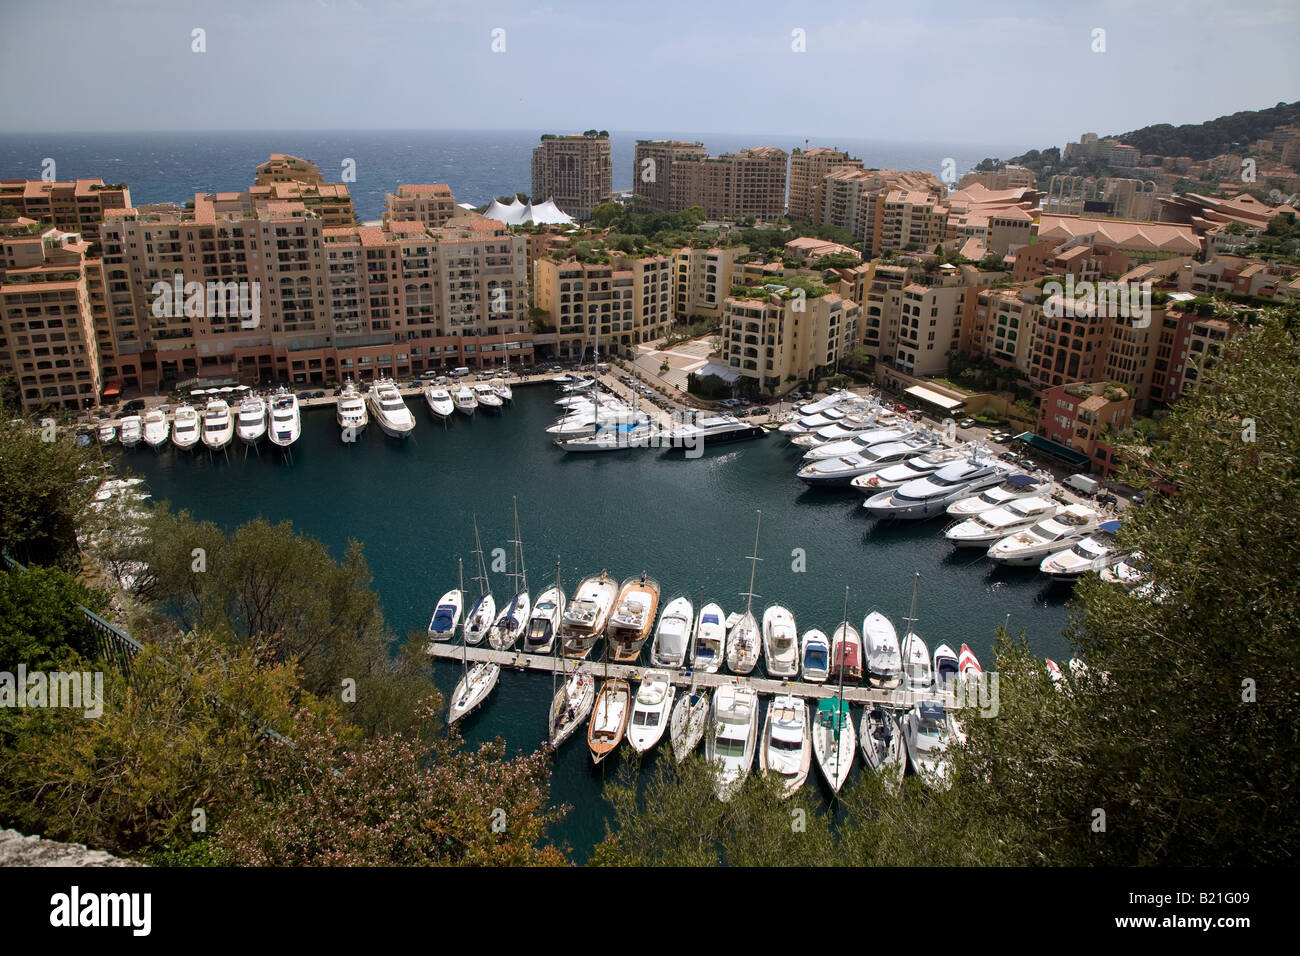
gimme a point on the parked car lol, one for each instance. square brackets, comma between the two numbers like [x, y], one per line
[556, 369]
[432, 373]
[134, 405]
[761, 410]
[966, 423]
[1106, 498]
[899, 407]
[1139, 499]
[1028, 464]
[1008, 456]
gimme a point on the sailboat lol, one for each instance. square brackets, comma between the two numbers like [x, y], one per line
[484, 614]
[882, 743]
[832, 735]
[787, 742]
[474, 685]
[633, 617]
[742, 640]
[917, 667]
[689, 719]
[572, 701]
[512, 620]
[651, 710]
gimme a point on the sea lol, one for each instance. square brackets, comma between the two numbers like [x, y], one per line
[689, 523]
[478, 165]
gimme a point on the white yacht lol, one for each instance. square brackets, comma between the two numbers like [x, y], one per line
[918, 673]
[391, 414]
[587, 614]
[816, 656]
[834, 741]
[185, 427]
[510, 623]
[504, 391]
[1093, 553]
[884, 656]
[350, 412]
[472, 689]
[713, 430]
[446, 616]
[931, 495]
[465, 400]
[863, 442]
[487, 397]
[156, 428]
[285, 419]
[926, 732]
[988, 527]
[806, 424]
[480, 620]
[848, 427]
[131, 430]
[831, 472]
[946, 667]
[780, 642]
[1012, 489]
[881, 740]
[732, 737]
[609, 717]
[107, 433]
[544, 623]
[672, 641]
[250, 423]
[708, 645]
[612, 438]
[1027, 548]
[909, 469]
[688, 722]
[787, 742]
[439, 401]
[570, 706]
[218, 424]
[651, 709]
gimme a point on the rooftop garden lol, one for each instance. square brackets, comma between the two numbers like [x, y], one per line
[785, 286]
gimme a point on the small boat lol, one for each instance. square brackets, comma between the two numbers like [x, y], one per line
[510, 623]
[968, 664]
[544, 622]
[651, 711]
[881, 740]
[946, 667]
[185, 427]
[391, 414]
[570, 707]
[834, 741]
[709, 639]
[633, 617]
[672, 643]
[917, 668]
[689, 719]
[608, 718]
[446, 616]
[156, 428]
[487, 397]
[780, 642]
[350, 412]
[480, 619]
[586, 615]
[926, 732]
[464, 400]
[743, 637]
[439, 401]
[250, 423]
[846, 654]
[816, 656]
[131, 430]
[285, 427]
[884, 656]
[472, 690]
[787, 742]
[218, 424]
[107, 433]
[732, 737]
[504, 391]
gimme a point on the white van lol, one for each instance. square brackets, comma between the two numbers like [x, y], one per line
[460, 372]
[1083, 484]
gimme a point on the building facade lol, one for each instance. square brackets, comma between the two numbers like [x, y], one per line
[575, 171]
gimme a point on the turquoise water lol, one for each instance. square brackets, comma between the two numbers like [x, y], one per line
[688, 523]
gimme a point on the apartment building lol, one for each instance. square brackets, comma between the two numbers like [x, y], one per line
[47, 316]
[78, 206]
[808, 169]
[704, 279]
[1002, 326]
[284, 168]
[1065, 348]
[737, 185]
[1188, 345]
[332, 202]
[431, 205]
[652, 171]
[630, 300]
[1009, 177]
[1075, 415]
[1132, 349]
[929, 326]
[912, 219]
[778, 337]
[853, 199]
[575, 171]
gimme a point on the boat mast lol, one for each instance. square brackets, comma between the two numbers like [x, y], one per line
[911, 624]
[753, 567]
[482, 568]
[464, 644]
[839, 711]
[521, 575]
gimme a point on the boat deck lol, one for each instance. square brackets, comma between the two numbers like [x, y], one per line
[900, 699]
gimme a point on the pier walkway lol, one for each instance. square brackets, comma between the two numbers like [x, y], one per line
[546, 663]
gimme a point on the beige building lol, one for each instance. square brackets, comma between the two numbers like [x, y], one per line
[77, 206]
[575, 171]
[283, 168]
[47, 316]
[779, 337]
[912, 219]
[808, 169]
[704, 280]
[737, 185]
[431, 205]
[629, 299]
[652, 170]
[855, 199]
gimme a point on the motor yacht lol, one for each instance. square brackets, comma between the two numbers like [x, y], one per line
[439, 401]
[710, 431]
[1012, 488]
[816, 656]
[218, 424]
[884, 656]
[780, 642]
[787, 742]
[861, 444]
[544, 622]
[465, 400]
[634, 616]
[931, 495]
[587, 613]
[1027, 548]
[446, 616]
[988, 527]
[107, 433]
[156, 428]
[1092, 553]
[131, 430]
[185, 427]
[350, 412]
[487, 397]
[390, 412]
[832, 472]
[732, 737]
[672, 642]
[651, 710]
[909, 469]
[708, 644]
[285, 426]
[927, 733]
[846, 655]
[250, 422]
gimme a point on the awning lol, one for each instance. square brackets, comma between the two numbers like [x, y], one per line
[923, 394]
[111, 391]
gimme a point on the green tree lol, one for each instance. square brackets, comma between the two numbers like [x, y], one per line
[40, 625]
[44, 492]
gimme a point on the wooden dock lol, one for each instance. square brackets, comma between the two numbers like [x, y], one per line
[545, 663]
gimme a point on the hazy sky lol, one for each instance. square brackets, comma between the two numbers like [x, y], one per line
[916, 70]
